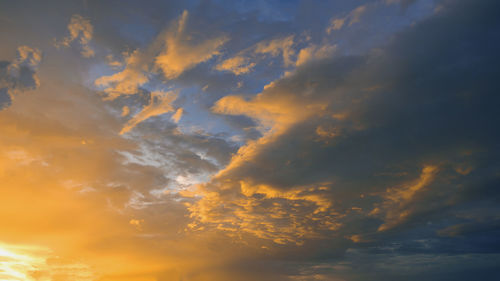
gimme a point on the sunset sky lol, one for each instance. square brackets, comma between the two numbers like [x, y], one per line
[249, 140]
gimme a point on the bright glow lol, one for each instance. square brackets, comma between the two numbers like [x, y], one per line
[34, 263]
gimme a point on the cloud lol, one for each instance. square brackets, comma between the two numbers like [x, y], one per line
[398, 199]
[125, 111]
[60, 145]
[175, 50]
[385, 129]
[5, 100]
[353, 17]
[264, 211]
[178, 114]
[237, 65]
[183, 52]
[408, 127]
[80, 30]
[28, 262]
[19, 75]
[245, 60]
[276, 47]
[160, 103]
[314, 52]
[128, 81]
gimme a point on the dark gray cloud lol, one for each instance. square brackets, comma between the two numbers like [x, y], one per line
[412, 145]
[5, 100]
[375, 161]
[19, 74]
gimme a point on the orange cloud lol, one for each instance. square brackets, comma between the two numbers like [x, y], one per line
[237, 65]
[172, 52]
[276, 47]
[82, 30]
[160, 103]
[182, 52]
[265, 212]
[395, 208]
[353, 17]
[128, 80]
[177, 115]
[314, 52]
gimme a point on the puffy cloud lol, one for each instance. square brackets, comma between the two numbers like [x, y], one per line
[364, 128]
[173, 51]
[275, 111]
[64, 148]
[27, 56]
[266, 212]
[127, 81]
[81, 30]
[409, 128]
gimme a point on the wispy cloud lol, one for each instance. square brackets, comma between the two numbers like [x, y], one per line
[160, 103]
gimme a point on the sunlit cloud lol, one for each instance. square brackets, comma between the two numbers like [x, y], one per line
[237, 65]
[19, 75]
[351, 18]
[273, 141]
[182, 51]
[30, 263]
[80, 30]
[160, 103]
[276, 47]
[127, 81]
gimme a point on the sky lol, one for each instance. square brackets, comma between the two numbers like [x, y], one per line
[246, 140]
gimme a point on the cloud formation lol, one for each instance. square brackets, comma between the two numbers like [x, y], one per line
[237, 65]
[276, 47]
[173, 51]
[160, 103]
[128, 81]
[80, 30]
[19, 75]
[182, 52]
[351, 103]
[351, 18]
[242, 142]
